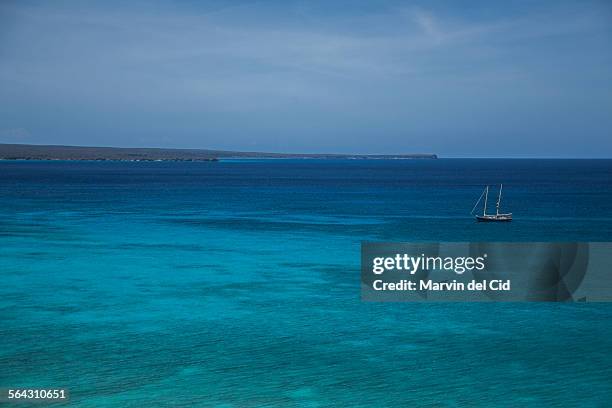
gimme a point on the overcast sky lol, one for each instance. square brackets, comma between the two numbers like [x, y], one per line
[454, 78]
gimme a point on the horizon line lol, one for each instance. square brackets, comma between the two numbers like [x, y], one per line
[223, 150]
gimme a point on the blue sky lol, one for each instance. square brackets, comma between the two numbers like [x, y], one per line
[516, 79]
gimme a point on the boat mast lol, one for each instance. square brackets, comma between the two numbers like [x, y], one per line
[499, 198]
[484, 211]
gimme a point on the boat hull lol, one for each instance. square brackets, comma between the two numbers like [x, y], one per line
[494, 218]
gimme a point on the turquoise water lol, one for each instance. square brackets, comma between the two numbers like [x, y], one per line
[236, 284]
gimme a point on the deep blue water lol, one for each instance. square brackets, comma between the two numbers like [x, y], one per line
[236, 284]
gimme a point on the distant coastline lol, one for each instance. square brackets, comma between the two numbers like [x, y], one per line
[60, 152]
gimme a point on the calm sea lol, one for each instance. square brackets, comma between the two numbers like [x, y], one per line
[236, 284]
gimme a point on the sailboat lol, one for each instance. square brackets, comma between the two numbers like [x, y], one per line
[497, 217]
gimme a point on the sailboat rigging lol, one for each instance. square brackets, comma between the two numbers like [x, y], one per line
[497, 217]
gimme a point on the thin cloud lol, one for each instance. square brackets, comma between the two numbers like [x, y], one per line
[395, 68]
